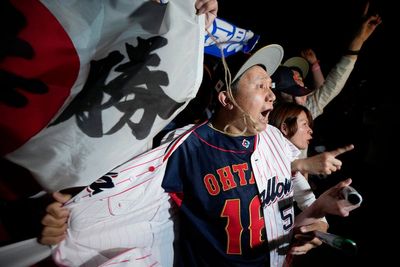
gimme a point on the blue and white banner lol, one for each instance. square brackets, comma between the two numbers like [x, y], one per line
[230, 39]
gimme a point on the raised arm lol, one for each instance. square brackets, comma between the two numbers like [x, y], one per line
[339, 74]
[311, 57]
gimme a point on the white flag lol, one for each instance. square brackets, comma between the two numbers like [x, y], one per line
[100, 80]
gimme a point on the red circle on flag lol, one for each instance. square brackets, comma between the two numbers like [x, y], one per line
[55, 63]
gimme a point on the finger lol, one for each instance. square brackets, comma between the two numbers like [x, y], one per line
[316, 242]
[353, 207]
[210, 17]
[336, 163]
[332, 168]
[62, 198]
[345, 213]
[344, 183]
[56, 208]
[54, 231]
[204, 6]
[317, 226]
[297, 253]
[366, 9]
[51, 240]
[307, 228]
[199, 3]
[57, 211]
[337, 190]
[302, 249]
[342, 150]
[374, 20]
[343, 208]
[50, 220]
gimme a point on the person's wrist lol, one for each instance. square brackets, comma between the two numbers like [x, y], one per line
[317, 209]
[297, 165]
[351, 52]
[315, 66]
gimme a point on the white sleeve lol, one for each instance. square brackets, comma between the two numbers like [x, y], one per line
[333, 85]
[303, 193]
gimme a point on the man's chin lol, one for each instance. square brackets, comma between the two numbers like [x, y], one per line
[260, 127]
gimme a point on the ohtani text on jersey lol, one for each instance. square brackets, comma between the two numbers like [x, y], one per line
[226, 178]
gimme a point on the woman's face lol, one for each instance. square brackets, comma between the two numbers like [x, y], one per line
[303, 135]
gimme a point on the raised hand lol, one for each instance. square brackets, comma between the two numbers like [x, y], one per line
[209, 8]
[309, 55]
[366, 29]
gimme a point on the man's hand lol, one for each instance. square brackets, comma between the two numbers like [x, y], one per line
[55, 221]
[305, 239]
[331, 201]
[209, 8]
[323, 163]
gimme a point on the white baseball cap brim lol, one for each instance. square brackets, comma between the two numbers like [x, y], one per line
[269, 56]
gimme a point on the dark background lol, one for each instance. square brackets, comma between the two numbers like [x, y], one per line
[363, 113]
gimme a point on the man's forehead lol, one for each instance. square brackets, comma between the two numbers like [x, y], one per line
[257, 70]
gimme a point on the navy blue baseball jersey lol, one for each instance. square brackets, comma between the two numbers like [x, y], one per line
[221, 219]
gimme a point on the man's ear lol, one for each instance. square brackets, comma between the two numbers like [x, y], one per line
[224, 100]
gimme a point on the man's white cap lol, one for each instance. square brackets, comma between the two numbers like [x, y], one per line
[269, 56]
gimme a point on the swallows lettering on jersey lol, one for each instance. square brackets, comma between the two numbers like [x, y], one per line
[228, 177]
[275, 190]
